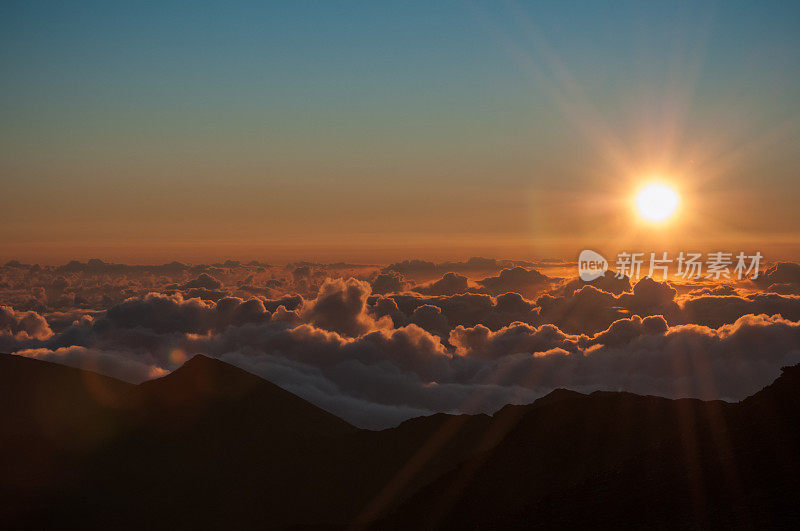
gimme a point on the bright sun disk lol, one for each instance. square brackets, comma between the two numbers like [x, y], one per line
[657, 202]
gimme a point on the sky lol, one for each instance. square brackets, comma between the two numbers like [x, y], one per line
[374, 131]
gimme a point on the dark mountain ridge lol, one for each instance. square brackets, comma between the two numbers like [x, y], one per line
[211, 445]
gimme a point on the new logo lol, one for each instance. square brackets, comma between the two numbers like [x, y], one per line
[591, 265]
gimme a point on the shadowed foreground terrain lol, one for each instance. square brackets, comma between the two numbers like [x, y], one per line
[211, 445]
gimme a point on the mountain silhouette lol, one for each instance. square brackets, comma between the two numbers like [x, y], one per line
[48, 414]
[211, 445]
[206, 392]
[618, 459]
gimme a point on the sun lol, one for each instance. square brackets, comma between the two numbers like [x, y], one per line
[657, 202]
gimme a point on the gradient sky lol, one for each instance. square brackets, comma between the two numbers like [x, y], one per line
[373, 131]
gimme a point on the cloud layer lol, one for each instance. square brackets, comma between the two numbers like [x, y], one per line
[377, 348]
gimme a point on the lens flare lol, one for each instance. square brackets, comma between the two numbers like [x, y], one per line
[177, 356]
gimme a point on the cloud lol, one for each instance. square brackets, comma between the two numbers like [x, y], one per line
[643, 357]
[721, 290]
[587, 310]
[517, 279]
[449, 284]
[341, 306]
[172, 313]
[715, 311]
[430, 318]
[204, 281]
[780, 273]
[389, 282]
[480, 342]
[163, 313]
[97, 266]
[609, 282]
[476, 264]
[462, 309]
[623, 331]
[650, 297]
[23, 325]
[410, 368]
[377, 359]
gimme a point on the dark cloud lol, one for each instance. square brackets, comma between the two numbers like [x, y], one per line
[289, 302]
[97, 266]
[785, 288]
[341, 306]
[481, 342]
[780, 273]
[388, 282]
[387, 307]
[431, 319]
[413, 267]
[166, 314]
[205, 294]
[464, 308]
[517, 279]
[623, 331]
[476, 264]
[721, 290]
[716, 311]
[467, 309]
[204, 281]
[609, 282]
[587, 310]
[651, 297]
[449, 284]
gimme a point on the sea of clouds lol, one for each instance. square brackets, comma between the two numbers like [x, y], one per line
[378, 345]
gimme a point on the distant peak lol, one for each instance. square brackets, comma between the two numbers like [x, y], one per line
[557, 395]
[560, 393]
[203, 360]
[204, 376]
[206, 366]
[207, 363]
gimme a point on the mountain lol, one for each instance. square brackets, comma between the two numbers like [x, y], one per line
[50, 416]
[206, 392]
[49, 411]
[618, 459]
[211, 445]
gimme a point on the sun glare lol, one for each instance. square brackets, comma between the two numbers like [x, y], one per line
[657, 202]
